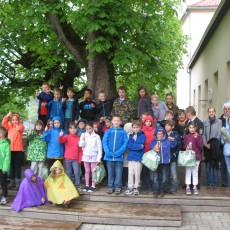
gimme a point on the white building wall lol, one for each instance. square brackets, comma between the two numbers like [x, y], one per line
[194, 27]
[213, 66]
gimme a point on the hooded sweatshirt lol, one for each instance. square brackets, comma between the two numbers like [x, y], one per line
[149, 132]
[5, 155]
[14, 134]
[30, 194]
[165, 145]
[115, 142]
[59, 187]
[55, 148]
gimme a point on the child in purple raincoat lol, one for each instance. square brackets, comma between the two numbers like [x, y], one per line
[31, 192]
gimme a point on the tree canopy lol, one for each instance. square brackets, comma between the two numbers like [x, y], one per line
[104, 41]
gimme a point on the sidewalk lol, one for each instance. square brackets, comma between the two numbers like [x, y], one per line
[199, 221]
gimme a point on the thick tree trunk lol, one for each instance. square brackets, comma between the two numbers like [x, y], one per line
[100, 76]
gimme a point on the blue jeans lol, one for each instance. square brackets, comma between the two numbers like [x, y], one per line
[146, 179]
[115, 169]
[227, 160]
[72, 167]
[211, 174]
[161, 178]
[224, 171]
[173, 170]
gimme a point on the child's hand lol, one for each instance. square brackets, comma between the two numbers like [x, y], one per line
[92, 105]
[43, 104]
[9, 114]
[61, 133]
[37, 92]
[187, 148]
[18, 128]
[46, 128]
[76, 121]
[43, 200]
[195, 134]
[63, 100]
[171, 138]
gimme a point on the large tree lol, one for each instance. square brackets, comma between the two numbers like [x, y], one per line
[135, 41]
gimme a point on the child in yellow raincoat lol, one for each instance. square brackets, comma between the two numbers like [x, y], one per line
[60, 189]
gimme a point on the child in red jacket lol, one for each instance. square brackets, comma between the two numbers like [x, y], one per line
[11, 122]
[72, 154]
[148, 129]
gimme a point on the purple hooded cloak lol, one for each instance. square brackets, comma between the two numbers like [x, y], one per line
[30, 194]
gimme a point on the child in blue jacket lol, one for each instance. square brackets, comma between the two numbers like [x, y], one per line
[55, 107]
[115, 142]
[55, 148]
[173, 135]
[135, 154]
[162, 145]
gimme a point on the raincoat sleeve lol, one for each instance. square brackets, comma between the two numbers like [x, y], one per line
[47, 136]
[132, 145]
[99, 149]
[82, 141]
[105, 144]
[7, 159]
[123, 148]
[5, 122]
[62, 139]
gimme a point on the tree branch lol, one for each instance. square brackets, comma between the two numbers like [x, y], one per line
[69, 38]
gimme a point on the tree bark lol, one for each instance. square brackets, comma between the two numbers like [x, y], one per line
[99, 70]
[100, 76]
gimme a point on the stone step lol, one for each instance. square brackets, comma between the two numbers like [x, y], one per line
[28, 224]
[130, 214]
[216, 199]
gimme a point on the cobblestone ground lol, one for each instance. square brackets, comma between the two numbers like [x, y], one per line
[199, 221]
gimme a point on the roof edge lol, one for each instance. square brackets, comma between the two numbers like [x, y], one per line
[212, 26]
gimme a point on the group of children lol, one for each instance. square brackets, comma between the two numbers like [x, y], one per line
[99, 135]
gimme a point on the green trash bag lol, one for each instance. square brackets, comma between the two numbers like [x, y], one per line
[187, 158]
[99, 173]
[151, 160]
[45, 173]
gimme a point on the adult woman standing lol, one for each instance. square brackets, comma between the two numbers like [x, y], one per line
[144, 102]
[171, 106]
[212, 152]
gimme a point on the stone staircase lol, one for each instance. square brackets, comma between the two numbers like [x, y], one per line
[141, 210]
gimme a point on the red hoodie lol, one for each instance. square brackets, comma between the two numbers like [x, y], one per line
[149, 132]
[14, 132]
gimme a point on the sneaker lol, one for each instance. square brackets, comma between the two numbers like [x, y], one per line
[110, 191]
[117, 191]
[162, 194]
[80, 190]
[3, 200]
[155, 195]
[135, 191]
[128, 192]
[195, 191]
[188, 191]
[85, 189]
[91, 189]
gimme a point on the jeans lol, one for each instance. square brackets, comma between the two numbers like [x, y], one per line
[15, 165]
[72, 167]
[66, 124]
[161, 178]
[173, 170]
[227, 160]
[224, 171]
[211, 174]
[115, 169]
[3, 179]
[146, 179]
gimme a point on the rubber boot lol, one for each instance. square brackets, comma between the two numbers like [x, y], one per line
[18, 182]
[11, 184]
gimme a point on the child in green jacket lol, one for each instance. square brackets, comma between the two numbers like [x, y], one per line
[5, 157]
